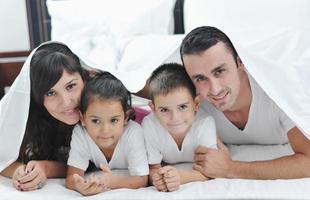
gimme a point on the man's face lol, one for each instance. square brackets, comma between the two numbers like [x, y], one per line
[216, 76]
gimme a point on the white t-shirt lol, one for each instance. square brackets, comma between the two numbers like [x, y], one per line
[162, 147]
[129, 153]
[267, 124]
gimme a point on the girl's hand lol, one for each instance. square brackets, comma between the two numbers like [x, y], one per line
[106, 177]
[30, 177]
[171, 177]
[89, 186]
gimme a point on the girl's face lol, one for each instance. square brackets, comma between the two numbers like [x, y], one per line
[104, 121]
[63, 99]
[176, 110]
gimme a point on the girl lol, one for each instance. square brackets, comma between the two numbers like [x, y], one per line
[108, 138]
[57, 80]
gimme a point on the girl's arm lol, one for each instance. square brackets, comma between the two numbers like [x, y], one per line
[153, 170]
[70, 183]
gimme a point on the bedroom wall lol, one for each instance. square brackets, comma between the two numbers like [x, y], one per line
[14, 27]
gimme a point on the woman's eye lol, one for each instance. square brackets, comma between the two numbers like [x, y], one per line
[69, 87]
[50, 93]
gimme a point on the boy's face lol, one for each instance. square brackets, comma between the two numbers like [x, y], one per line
[176, 110]
[104, 121]
[216, 76]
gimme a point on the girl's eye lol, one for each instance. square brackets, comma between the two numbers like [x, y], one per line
[114, 121]
[50, 93]
[95, 121]
[183, 107]
[69, 87]
[163, 110]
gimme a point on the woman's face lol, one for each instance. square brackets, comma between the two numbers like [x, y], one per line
[63, 99]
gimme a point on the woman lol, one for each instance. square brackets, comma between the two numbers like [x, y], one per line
[57, 80]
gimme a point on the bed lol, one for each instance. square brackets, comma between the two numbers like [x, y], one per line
[267, 36]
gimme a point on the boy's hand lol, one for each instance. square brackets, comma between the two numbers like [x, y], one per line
[171, 177]
[159, 183]
[89, 186]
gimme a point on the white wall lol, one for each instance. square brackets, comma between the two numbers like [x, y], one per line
[14, 34]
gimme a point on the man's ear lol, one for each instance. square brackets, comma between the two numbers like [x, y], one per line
[152, 106]
[82, 119]
[239, 63]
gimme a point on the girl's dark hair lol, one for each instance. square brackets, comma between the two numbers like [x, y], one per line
[169, 77]
[107, 87]
[204, 37]
[45, 136]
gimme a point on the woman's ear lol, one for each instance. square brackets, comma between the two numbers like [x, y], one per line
[152, 106]
[82, 119]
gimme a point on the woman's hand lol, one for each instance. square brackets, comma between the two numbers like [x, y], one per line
[30, 177]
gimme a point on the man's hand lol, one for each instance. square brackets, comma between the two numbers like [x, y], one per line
[213, 163]
[30, 177]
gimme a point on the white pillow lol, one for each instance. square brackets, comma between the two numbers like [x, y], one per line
[118, 17]
[243, 14]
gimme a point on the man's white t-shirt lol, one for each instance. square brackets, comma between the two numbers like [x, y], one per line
[267, 124]
[129, 153]
[162, 147]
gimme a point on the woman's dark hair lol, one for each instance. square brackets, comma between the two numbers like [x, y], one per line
[105, 86]
[45, 136]
[204, 37]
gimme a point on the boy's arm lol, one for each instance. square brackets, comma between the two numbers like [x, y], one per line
[132, 182]
[188, 176]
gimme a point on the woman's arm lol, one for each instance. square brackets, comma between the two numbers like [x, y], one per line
[9, 171]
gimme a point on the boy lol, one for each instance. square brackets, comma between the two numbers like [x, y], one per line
[174, 128]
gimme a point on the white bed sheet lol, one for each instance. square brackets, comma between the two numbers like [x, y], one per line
[212, 189]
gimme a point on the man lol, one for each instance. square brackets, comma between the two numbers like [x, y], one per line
[244, 114]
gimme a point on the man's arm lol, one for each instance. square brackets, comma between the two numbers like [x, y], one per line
[217, 163]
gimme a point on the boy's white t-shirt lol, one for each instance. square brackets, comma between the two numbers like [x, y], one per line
[267, 123]
[162, 147]
[129, 153]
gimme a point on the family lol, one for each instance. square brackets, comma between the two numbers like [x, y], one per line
[79, 119]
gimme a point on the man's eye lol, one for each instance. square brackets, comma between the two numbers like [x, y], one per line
[200, 78]
[219, 72]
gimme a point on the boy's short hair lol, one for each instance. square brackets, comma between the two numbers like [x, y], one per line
[169, 77]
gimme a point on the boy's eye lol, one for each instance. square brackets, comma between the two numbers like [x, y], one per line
[50, 93]
[95, 121]
[114, 121]
[182, 107]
